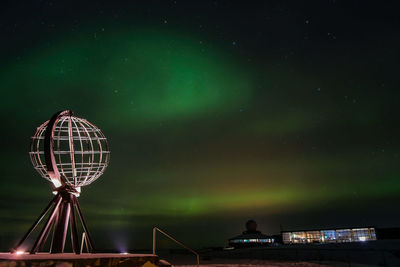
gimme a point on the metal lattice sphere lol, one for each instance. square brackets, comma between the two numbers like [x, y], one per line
[72, 152]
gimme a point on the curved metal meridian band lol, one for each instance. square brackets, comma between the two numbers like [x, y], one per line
[50, 160]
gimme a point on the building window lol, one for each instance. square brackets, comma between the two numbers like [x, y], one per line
[330, 236]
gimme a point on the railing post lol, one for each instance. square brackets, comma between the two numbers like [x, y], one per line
[155, 229]
[154, 240]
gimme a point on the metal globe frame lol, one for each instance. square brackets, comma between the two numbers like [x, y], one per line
[70, 152]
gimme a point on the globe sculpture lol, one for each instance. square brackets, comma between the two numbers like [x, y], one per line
[70, 152]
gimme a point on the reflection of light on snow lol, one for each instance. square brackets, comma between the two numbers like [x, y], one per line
[19, 252]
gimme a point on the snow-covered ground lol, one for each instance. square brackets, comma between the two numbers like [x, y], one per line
[261, 263]
[385, 253]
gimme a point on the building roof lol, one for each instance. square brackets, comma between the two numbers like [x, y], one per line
[331, 228]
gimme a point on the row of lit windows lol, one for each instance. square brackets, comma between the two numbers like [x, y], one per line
[253, 240]
[330, 236]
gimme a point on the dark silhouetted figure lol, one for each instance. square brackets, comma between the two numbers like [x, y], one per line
[251, 227]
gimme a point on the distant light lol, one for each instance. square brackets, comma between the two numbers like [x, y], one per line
[362, 238]
[124, 253]
[20, 252]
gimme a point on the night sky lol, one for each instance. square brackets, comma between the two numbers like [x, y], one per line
[285, 112]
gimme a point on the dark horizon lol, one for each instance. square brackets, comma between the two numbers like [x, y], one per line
[216, 112]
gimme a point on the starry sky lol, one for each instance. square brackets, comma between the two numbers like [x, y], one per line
[216, 112]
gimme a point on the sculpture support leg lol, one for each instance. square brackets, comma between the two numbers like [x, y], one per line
[61, 228]
[63, 208]
[74, 231]
[46, 227]
[89, 238]
[40, 248]
[35, 224]
[56, 220]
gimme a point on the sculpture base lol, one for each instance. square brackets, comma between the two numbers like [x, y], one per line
[85, 259]
[62, 211]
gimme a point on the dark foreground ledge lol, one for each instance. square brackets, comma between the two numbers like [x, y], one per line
[73, 260]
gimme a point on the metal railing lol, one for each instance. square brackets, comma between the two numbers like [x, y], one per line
[155, 229]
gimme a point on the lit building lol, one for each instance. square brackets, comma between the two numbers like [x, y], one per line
[251, 237]
[330, 236]
[251, 241]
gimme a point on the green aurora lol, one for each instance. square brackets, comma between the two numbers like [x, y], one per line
[200, 136]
